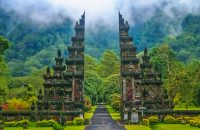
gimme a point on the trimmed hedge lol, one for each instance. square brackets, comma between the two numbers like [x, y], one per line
[187, 118]
[153, 120]
[78, 121]
[45, 123]
[192, 121]
[145, 122]
[69, 123]
[16, 123]
[195, 121]
[170, 120]
[86, 121]
[57, 126]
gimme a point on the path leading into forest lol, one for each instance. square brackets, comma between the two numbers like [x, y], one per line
[103, 121]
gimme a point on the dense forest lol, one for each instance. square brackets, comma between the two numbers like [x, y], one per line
[30, 48]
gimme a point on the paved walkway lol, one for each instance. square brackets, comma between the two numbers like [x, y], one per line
[103, 121]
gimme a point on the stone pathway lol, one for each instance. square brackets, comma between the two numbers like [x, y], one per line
[101, 120]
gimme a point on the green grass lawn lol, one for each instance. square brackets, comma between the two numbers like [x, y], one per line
[46, 128]
[162, 127]
[136, 127]
[90, 113]
[174, 127]
[75, 128]
[30, 128]
[113, 113]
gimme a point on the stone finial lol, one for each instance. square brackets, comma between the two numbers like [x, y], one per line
[59, 53]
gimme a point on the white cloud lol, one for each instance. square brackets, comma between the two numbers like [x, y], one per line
[98, 11]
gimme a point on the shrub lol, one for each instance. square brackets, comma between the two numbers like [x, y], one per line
[10, 124]
[57, 126]
[179, 120]
[15, 105]
[69, 123]
[198, 124]
[78, 121]
[145, 122]
[193, 123]
[16, 123]
[187, 118]
[115, 101]
[86, 121]
[87, 103]
[170, 120]
[45, 123]
[153, 120]
[31, 124]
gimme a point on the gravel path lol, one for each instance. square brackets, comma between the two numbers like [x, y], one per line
[101, 120]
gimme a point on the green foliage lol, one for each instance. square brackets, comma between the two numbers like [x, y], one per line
[153, 120]
[145, 122]
[113, 113]
[90, 63]
[57, 126]
[109, 64]
[3, 89]
[35, 47]
[69, 123]
[186, 44]
[16, 105]
[170, 120]
[102, 78]
[111, 85]
[45, 123]
[86, 121]
[16, 123]
[115, 101]
[195, 121]
[4, 72]
[187, 118]
[180, 80]
[92, 87]
[87, 103]
[78, 121]
[4, 44]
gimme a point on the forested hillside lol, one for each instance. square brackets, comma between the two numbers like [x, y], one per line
[31, 47]
[32, 43]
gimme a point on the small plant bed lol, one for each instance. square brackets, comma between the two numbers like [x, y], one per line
[75, 128]
[46, 128]
[30, 128]
[161, 127]
[77, 123]
[113, 113]
[89, 114]
[173, 127]
[137, 127]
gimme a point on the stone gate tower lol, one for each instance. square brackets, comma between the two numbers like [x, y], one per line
[62, 98]
[130, 71]
[141, 83]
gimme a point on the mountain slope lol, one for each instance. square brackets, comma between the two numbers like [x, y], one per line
[32, 42]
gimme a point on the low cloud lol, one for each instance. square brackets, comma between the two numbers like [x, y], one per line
[101, 12]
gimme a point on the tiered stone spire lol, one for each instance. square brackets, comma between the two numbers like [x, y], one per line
[63, 90]
[130, 72]
[140, 83]
[75, 61]
[150, 78]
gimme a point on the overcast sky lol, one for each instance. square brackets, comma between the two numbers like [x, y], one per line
[97, 11]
